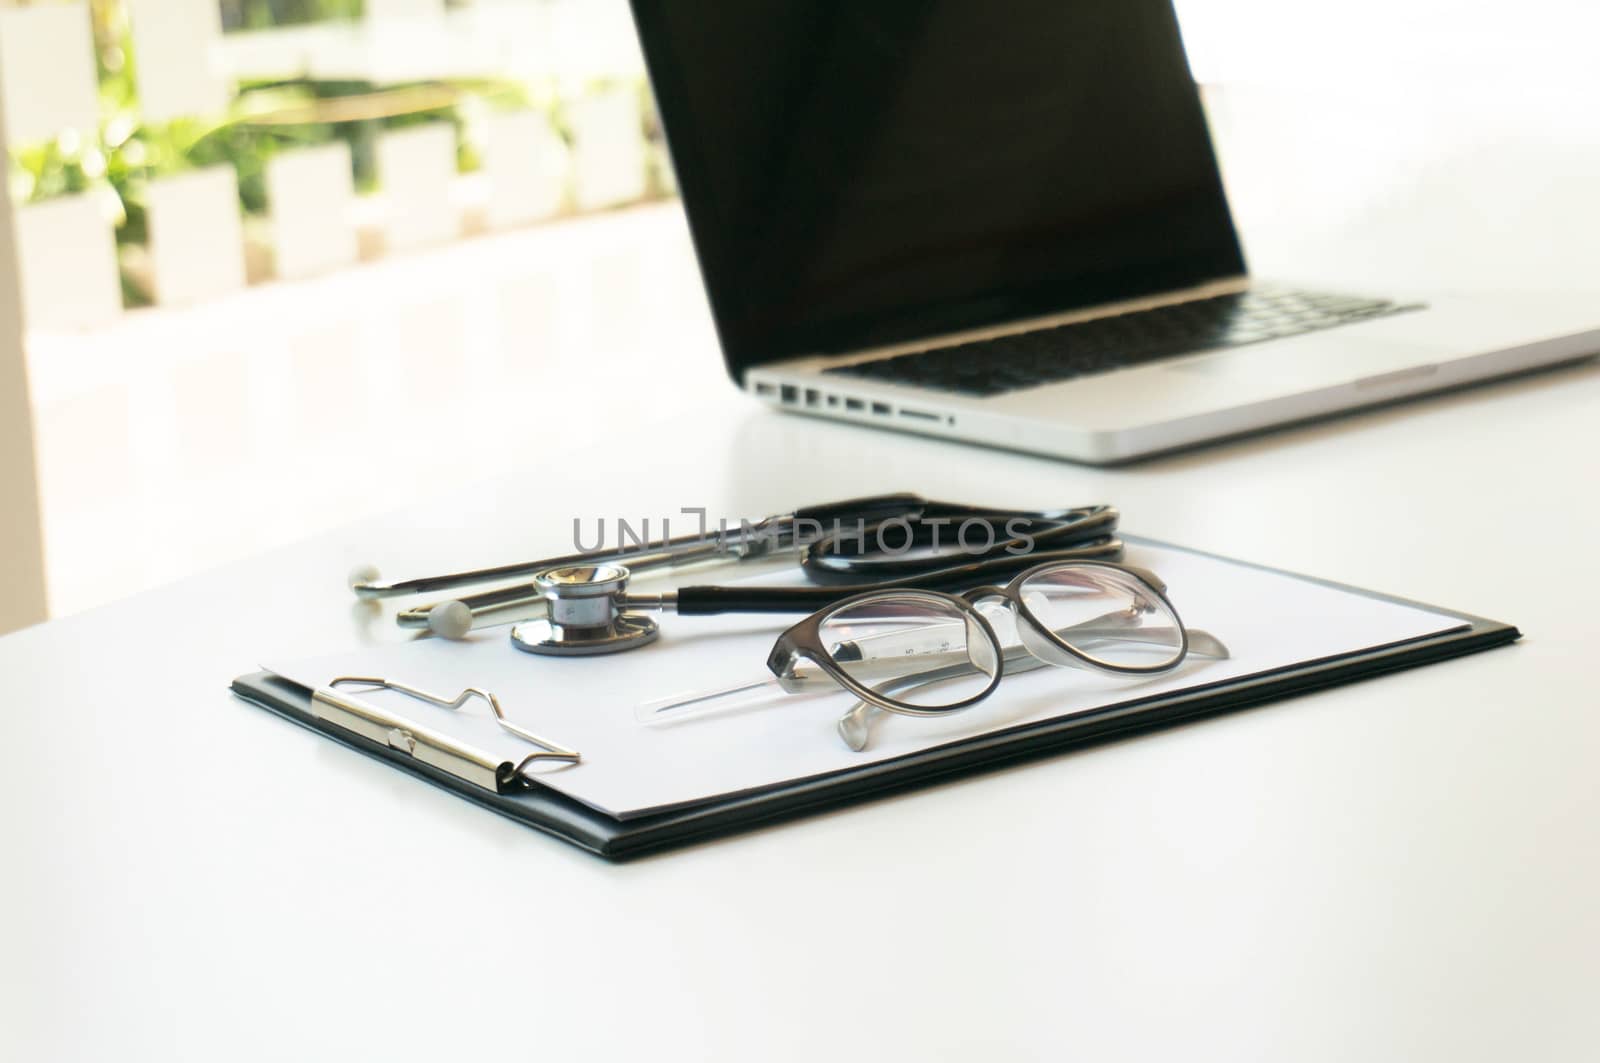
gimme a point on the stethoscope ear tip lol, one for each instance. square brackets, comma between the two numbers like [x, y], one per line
[362, 576]
[450, 620]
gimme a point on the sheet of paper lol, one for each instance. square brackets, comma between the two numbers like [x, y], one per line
[1268, 621]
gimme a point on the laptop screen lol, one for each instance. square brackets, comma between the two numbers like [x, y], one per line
[861, 172]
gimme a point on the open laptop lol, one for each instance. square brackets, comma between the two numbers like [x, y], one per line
[1003, 223]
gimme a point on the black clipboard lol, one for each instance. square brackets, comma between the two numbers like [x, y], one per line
[614, 839]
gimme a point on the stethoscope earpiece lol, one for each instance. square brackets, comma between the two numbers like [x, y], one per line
[361, 577]
[450, 620]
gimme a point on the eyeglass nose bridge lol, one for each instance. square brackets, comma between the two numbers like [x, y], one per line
[978, 595]
[1035, 637]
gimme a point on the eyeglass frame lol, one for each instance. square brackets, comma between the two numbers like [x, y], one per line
[804, 640]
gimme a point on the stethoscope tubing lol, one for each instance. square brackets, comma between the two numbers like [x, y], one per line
[713, 600]
[885, 551]
[855, 551]
[709, 600]
[694, 548]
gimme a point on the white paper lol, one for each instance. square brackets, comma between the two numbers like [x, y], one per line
[196, 235]
[47, 64]
[311, 194]
[1268, 621]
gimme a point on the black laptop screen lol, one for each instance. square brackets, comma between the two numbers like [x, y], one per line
[859, 172]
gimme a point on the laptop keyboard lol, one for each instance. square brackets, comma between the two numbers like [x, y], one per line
[1048, 356]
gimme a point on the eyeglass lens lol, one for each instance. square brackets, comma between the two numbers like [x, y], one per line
[1107, 615]
[920, 651]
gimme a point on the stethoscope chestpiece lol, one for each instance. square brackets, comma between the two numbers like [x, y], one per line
[584, 618]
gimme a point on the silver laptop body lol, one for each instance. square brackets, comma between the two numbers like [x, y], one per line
[1004, 224]
[1182, 400]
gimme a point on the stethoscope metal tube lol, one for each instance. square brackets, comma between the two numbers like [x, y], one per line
[579, 604]
[590, 611]
[776, 532]
[684, 550]
[843, 556]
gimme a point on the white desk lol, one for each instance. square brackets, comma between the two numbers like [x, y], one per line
[1402, 869]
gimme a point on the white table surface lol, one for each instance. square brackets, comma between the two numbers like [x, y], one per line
[1405, 869]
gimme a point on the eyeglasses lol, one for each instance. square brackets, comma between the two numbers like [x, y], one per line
[927, 653]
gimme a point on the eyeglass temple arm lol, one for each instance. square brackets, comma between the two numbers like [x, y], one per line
[1017, 658]
[887, 668]
[1106, 627]
[855, 725]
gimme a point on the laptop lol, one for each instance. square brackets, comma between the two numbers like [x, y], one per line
[1004, 224]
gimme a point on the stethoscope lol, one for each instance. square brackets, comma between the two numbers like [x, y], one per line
[866, 543]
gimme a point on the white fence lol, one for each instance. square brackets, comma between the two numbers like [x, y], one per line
[197, 248]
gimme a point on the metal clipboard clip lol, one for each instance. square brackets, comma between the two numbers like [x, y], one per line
[429, 746]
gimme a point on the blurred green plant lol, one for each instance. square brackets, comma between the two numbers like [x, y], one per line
[262, 14]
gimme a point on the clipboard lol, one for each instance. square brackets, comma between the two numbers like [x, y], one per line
[622, 839]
